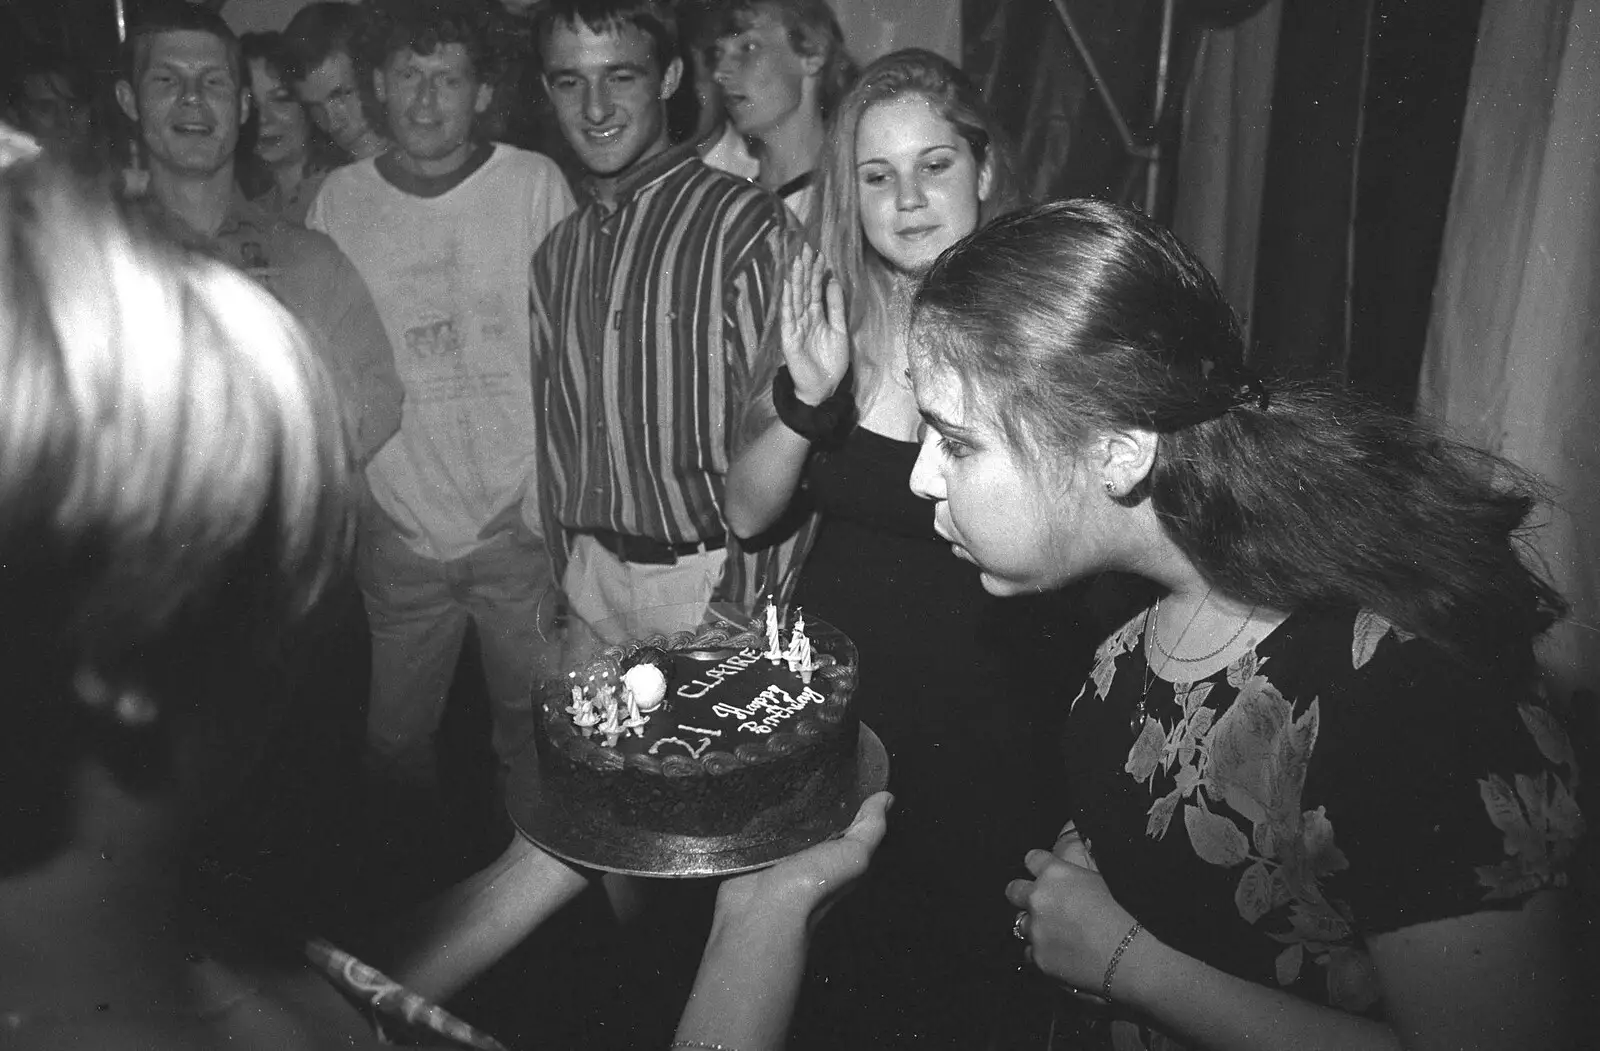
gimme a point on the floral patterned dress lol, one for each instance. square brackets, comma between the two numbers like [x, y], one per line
[1341, 779]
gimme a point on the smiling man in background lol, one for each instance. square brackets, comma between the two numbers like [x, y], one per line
[442, 226]
[183, 88]
[649, 306]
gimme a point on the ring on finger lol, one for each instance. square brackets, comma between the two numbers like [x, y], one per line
[1016, 926]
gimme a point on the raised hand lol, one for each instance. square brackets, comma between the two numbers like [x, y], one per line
[813, 328]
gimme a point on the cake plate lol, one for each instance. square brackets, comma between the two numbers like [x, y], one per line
[637, 852]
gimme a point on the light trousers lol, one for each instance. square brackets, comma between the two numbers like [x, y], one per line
[624, 600]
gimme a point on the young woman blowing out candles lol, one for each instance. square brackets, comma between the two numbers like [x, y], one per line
[1315, 800]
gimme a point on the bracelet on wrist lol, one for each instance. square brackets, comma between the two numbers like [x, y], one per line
[1116, 958]
[826, 422]
[697, 1045]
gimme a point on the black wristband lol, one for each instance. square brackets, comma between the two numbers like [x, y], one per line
[826, 422]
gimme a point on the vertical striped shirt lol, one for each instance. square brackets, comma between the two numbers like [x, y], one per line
[647, 319]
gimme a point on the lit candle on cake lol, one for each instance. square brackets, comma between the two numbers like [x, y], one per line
[612, 726]
[799, 652]
[774, 631]
[636, 719]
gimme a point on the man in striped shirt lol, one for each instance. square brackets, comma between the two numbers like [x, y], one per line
[649, 305]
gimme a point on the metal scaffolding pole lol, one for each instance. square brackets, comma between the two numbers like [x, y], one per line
[1144, 145]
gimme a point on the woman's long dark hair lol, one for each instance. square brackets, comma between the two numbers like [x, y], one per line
[1079, 317]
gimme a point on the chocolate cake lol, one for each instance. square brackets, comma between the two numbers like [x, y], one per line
[703, 734]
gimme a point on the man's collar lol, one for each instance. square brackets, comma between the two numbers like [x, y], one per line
[796, 184]
[241, 212]
[388, 165]
[646, 173]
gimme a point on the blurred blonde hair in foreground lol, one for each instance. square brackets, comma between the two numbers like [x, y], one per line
[174, 485]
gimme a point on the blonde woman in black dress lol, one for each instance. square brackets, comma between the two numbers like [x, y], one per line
[913, 165]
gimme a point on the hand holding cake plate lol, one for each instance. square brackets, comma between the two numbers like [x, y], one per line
[753, 753]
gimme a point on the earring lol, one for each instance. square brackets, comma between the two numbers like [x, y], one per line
[1111, 488]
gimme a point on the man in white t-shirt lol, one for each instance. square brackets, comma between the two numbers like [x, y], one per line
[442, 227]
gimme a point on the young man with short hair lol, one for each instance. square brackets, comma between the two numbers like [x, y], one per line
[649, 306]
[782, 67]
[719, 145]
[183, 88]
[442, 226]
[322, 41]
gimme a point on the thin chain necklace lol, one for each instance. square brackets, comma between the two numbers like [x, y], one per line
[1155, 636]
[1151, 627]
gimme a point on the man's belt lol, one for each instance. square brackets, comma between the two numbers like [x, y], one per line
[650, 551]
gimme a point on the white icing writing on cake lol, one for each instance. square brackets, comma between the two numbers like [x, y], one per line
[768, 708]
[727, 669]
[694, 752]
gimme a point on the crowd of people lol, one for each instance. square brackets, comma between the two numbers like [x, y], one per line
[343, 380]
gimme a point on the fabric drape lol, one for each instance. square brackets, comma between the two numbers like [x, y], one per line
[1222, 157]
[1513, 353]
[1036, 85]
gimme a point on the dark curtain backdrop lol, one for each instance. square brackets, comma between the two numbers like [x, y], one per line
[1422, 55]
[1227, 119]
[1366, 118]
[1033, 79]
[1308, 199]
[83, 31]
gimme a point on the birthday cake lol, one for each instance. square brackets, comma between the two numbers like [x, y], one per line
[717, 733]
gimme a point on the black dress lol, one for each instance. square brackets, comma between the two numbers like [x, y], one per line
[921, 954]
